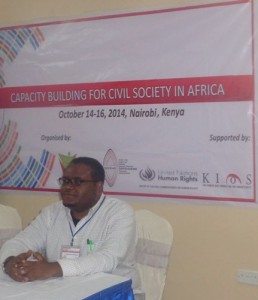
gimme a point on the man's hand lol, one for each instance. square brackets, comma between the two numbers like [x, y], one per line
[31, 266]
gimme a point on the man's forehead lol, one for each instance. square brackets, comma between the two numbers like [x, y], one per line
[77, 169]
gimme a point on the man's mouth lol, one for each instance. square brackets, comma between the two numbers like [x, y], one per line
[68, 195]
[68, 198]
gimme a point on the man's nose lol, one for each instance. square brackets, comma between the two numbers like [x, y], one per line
[69, 185]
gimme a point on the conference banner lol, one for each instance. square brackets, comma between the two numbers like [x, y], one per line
[163, 99]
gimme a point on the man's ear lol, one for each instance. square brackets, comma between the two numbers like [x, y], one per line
[100, 186]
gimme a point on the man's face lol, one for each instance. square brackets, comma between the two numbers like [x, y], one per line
[80, 198]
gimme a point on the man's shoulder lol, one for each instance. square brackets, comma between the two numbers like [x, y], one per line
[53, 208]
[118, 204]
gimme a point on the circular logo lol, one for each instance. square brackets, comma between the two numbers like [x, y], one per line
[111, 167]
[147, 174]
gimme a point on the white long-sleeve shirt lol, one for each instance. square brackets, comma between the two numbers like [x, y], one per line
[110, 225]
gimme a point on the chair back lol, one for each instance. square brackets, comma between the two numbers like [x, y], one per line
[155, 238]
[10, 223]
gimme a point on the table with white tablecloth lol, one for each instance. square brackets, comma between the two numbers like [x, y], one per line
[93, 287]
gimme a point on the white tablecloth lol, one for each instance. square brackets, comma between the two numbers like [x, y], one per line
[66, 288]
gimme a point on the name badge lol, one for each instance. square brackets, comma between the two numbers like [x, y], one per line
[70, 252]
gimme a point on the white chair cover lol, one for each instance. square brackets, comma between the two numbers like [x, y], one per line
[155, 238]
[10, 223]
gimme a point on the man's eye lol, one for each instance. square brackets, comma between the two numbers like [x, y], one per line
[77, 181]
[65, 180]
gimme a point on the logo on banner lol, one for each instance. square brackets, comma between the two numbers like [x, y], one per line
[233, 178]
[18, 39]
[17, 171]
[65, 159]
[229, 180]
[147, 174]
[110, 165]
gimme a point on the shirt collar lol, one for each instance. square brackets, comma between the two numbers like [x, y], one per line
[91, 211]
[96, 206]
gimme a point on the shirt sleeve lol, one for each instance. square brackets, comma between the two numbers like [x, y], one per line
[32, 238]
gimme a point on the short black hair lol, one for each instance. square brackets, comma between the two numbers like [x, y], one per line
[97, 170]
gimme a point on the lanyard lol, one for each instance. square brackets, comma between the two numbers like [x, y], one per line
[74, 233]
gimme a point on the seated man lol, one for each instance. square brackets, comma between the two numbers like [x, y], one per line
[84, 233]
